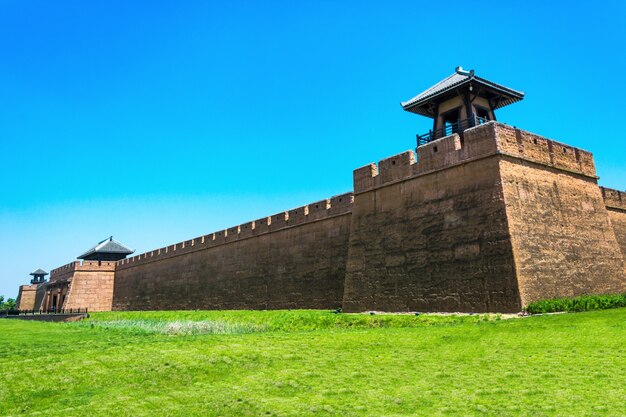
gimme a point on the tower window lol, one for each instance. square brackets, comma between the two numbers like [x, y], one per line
[451, 121]
[482, 112]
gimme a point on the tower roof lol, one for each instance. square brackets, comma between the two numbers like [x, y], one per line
[107, 246]
[39, 271]
[425, 102]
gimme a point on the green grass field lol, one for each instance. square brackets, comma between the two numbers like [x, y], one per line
[308, 363]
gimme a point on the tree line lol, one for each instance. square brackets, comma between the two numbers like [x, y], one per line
[9, 304]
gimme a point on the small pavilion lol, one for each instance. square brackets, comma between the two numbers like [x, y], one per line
[458, 102]
[107, 250]
[38, 276]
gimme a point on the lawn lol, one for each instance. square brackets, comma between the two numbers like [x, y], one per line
[315, 363]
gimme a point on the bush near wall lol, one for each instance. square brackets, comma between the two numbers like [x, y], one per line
[582, 303]
[9, 304]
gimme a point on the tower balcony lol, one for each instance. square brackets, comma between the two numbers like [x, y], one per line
[451, 127]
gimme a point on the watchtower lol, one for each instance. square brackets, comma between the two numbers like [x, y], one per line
[38, 276]
[107, 250]
[461, 101]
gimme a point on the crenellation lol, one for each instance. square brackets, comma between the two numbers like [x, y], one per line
[585, 160]
[318, 210]
[262, 225]
[247, 230]
[451, 185]
[220, 237]
[279, 221]
[535, 148]
[488, 218]
[614, 198]
[231, 234]
[396, 167]
[297, 216]
[480, 141]
[531, 146]
[364, 178]
[438, 154]
[341, 204]
[564, 156]
[337, 205]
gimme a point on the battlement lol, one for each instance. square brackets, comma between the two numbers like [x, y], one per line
[61, 271]
[614, 198]
[28, 287]
[319, 210]
[489, 139]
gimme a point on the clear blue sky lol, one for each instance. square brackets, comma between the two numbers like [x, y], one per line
[159, 121]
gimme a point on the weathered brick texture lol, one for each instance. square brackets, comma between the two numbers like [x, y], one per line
[291, 260]
[80, 285]
[436, 241]
[487, 222]
[616, 205]
[563, 241]
[490, 223]
[26, 297]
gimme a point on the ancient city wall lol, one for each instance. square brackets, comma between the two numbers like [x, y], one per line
[295, 259]
[431, 234]
[488, 223]
[26, 297]
[82, 285]
[563, 242]
[615, 202]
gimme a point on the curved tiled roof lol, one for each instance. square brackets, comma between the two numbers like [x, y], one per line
[458, 79]
[108, 246]
[39, 271]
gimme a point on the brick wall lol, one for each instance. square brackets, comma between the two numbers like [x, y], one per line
[562, 237]
[26, 297]
[615, 202]
[488, 223]
[432, 235]
[295, 259]
[82, 285]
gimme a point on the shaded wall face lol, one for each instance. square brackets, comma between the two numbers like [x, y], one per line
[27, 297]
[436, 242]
[55, 296]
[40, 296]
[563, 241]
[301, 266]
[618, 221]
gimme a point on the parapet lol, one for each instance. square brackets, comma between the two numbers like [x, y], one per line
[62, 271]
[28, 287]
[489, 139]
[614, 198]
[536, 148]
[319, 210]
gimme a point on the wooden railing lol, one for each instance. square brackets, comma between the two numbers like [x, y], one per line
[457, 127]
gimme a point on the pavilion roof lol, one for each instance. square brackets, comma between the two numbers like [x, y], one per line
[108, 246]
[419, 104]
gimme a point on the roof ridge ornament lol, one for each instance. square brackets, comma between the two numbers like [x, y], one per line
[459, 70]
